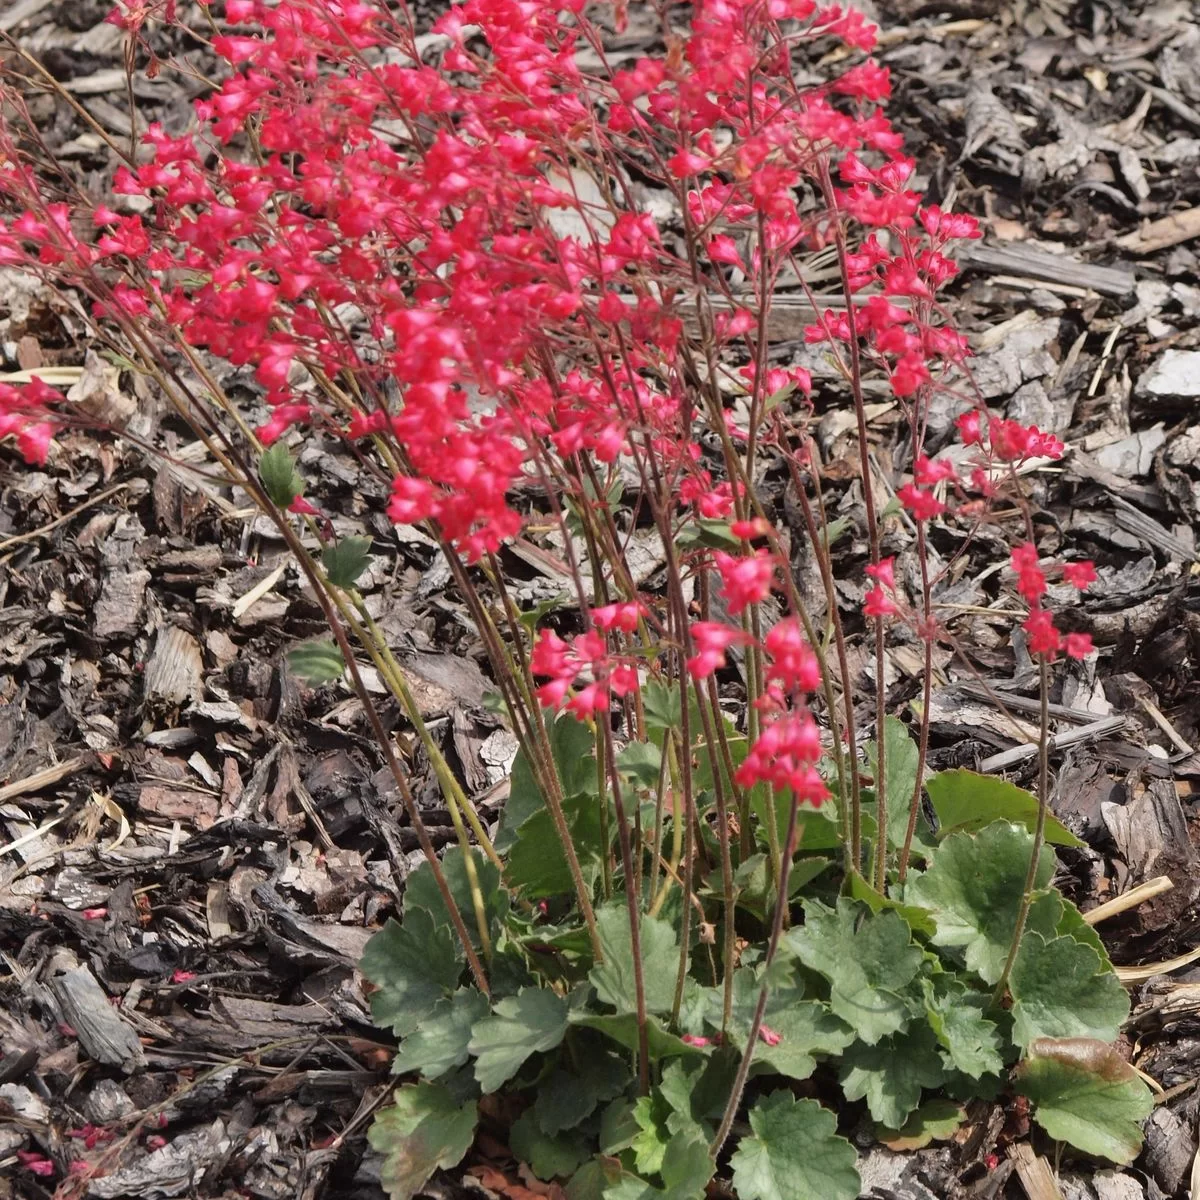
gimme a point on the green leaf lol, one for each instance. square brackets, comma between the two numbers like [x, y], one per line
[900, 762]
[1071, 924]
[793, 1153]
[567, 1099]
[1062, 989]
[806, 1028]
[439, 1043]
[536, 865]
[891, 1075]
[533, 1020]
[315, 663]
[548, 1157]
[918, 919]
[618, 1127]
[935, 1121]
[973, 888]
[414, 964]
[709, 533]
[422, 1131]
[966, 800]
[835, 530]
[778, 396]
[346, 560]
[956, 1016]
[686, 1170]
[590, 1181]
[278, 474]
[653, 1137]
[869, 961]
[421, 890]
[572, 748]
[642, 762]
[622, 1028]
[1086, 1094]
[531, 618]
[613, 979]
[755, 889]
[662, 706]
[697, 1089]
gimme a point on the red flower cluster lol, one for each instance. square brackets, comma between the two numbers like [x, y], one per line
[1044, 637]
[785, 755]
[586, 665]
[441, 249]
[711, 639]
[25, 413]
[444, 271]
[745, 579]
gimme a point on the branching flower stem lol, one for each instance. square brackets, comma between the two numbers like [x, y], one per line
[777, 925]
[878, 874]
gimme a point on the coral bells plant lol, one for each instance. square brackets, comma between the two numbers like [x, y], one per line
[530, 281]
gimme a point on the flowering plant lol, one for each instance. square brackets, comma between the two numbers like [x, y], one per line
[500, 259]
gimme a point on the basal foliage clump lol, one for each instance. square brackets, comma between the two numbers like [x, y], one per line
[502, 259]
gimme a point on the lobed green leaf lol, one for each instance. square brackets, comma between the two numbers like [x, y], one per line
[613, 979]
[967, 800]
[793, 1153]
[1062, 989]
[439, 1043]
[532, 1021]
[1086, 1094]
[869, 960]
[346, 560]
[415, 965]
[973, 887]
[277, 472]
[422, 1131]
[891, 1075]
[316, 663]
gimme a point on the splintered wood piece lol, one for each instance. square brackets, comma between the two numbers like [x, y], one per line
[44, 778]
[1167, 231]
[174, 673]
[1018, 259]
[103, 1032]
[1034, 1173]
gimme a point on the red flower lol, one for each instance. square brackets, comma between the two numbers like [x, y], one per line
[37, 1163]
[794, 665]
[711, 640]
[923, 505]
[723, 249]
[745, 580]
[970, 427]
[1031, 579]
[1079, 574]
[783, 756]
[877, 604]
[928, 471]
[1077, 645]
[618, 616]
[1044, 638]
[883, 572]
[755, 527]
